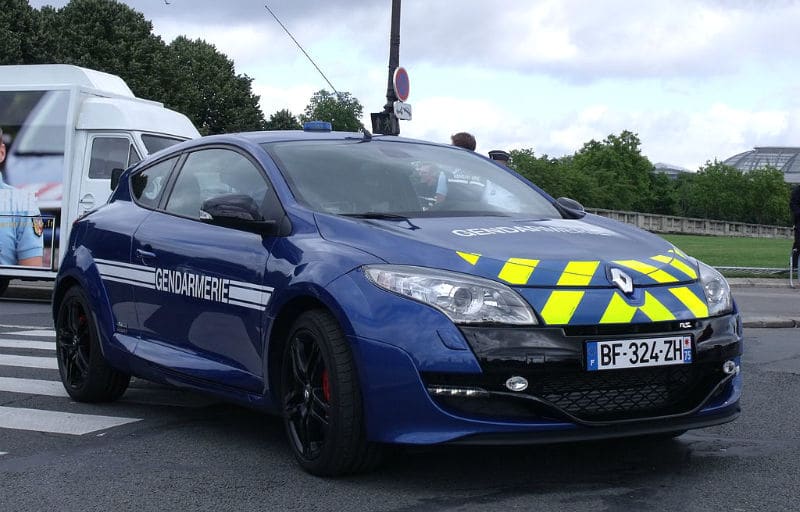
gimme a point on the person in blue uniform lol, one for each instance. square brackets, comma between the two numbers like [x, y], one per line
[21, 225]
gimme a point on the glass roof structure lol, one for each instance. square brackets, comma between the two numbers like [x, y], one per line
[785, 159]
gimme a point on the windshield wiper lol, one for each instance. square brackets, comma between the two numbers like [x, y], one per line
[382, 216]
[376, 215]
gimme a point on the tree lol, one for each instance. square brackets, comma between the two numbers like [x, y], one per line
[767, 198]
[342, 110]
[106, 36]
[622, 173]
[207, 89]
[717, 192]
[19, 29]
[283, 120]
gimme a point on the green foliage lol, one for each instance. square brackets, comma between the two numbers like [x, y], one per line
[19, 32]
[343, 111]
[189, 76]
[283, 120]
[208, 90]
[622, 174]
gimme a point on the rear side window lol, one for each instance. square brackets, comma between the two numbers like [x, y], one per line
[109, 153]
[147, 186]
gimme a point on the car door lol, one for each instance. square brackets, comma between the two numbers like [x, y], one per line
[205, 315]
[111, 238]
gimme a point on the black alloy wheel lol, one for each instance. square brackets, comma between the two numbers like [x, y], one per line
[74, 343]
[86, 375]
[321, 399]
[307, 396]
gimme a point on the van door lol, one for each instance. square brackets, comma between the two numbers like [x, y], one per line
[105, 152]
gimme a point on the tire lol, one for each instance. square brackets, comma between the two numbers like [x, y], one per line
[86, 375]
[321, 400]
[3, 285]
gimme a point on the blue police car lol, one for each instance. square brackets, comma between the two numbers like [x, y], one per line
[380, 290]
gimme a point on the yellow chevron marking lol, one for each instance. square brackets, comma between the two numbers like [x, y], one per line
[561, 306]
[683, 267]
[470, 258]
[620, 312]
[658, 275]
[517, 270]
[578, 273]
[692, 302]
[656, 311]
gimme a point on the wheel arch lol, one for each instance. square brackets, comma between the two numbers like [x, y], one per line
[285, 317]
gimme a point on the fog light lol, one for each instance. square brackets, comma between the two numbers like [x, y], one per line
[517, 383]
[729, 367]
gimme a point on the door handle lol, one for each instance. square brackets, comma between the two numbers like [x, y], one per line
[145, 254]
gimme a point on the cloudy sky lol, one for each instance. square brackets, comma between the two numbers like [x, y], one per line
[696, 80]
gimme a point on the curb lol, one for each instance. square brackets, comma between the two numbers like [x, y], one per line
[771, 322]
[750, 282]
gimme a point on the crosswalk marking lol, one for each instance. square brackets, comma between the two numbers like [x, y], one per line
[33, 386]
[48, 363]
[3, 453]
[40, 332]
[38, 345]
[58, 422]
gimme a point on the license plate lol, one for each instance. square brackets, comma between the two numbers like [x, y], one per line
[615, 354]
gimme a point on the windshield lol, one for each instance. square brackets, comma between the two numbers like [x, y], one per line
[408, 179]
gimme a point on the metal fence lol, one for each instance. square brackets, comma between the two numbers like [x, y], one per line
[691, 226]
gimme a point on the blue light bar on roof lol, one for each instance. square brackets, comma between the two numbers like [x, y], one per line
[317, 126]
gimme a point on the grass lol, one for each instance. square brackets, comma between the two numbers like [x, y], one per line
[725, 251]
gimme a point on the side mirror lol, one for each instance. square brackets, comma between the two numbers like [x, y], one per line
[572, 207]
[115, 176]
[237, 211]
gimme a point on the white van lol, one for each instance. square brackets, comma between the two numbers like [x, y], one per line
[66, 128]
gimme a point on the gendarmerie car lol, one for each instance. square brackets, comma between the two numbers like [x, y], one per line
[380, 290]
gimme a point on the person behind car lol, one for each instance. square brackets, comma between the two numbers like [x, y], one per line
[500, 156]
[21, 226]
[464, 140]
[794, 204]
[431, 183]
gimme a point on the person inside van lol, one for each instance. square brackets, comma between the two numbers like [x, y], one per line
[21, 226]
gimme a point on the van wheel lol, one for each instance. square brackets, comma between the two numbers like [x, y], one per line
[3, 285]
[86, 375]
[321, 399]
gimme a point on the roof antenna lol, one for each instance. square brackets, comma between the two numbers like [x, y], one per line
[301, 49]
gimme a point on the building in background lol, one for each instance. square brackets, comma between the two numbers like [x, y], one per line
[785, 159]
[672, 171]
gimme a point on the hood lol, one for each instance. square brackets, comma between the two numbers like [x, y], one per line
[521, 252]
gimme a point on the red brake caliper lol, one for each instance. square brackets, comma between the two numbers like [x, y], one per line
[326, 386]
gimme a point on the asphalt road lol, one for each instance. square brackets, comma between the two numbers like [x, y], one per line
[165, 449]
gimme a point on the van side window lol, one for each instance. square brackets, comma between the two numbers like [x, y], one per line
[148, 185]
[109, 153]
[155, 143]
[214, 172]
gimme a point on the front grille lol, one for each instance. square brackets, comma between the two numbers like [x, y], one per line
[590, 396]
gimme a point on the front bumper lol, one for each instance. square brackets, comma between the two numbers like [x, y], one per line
[564, 402]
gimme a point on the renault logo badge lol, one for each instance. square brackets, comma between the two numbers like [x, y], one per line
[622, 281]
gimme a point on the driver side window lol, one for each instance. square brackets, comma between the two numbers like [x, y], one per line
[214, 172]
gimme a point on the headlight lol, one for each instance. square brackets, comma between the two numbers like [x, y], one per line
[718, 293]
[465, 299]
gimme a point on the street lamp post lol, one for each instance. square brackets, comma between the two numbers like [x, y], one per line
[386, 122]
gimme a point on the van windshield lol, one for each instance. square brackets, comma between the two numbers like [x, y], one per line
[409, 179]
